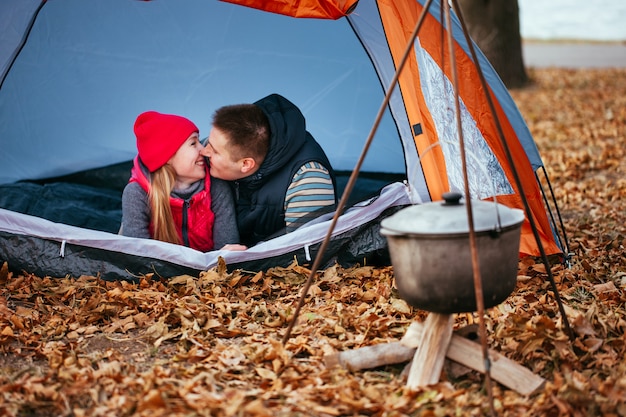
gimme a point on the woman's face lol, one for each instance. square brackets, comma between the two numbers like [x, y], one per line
[188, 162]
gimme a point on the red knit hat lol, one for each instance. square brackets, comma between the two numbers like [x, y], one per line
[160, 135]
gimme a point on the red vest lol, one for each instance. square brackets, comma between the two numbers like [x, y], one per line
[193, 219]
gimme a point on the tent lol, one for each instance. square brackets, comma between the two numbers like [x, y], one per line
[75, 74]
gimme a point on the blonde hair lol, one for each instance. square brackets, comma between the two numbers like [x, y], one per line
[162, 183]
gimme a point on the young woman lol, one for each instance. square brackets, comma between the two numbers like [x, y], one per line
[170, 195]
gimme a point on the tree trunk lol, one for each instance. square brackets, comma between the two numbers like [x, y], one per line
[494, 26]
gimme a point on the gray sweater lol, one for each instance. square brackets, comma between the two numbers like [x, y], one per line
[136, 211]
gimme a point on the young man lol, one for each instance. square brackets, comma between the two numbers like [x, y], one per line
[280, 175]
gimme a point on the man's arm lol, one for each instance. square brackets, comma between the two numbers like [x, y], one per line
[310, 195]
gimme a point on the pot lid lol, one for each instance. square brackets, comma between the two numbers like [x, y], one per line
[450, 217]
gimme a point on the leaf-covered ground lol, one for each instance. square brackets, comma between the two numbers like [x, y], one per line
[211, 345]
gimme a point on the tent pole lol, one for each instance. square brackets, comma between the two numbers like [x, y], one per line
[355, 172]
[544, 257]
[562, 237]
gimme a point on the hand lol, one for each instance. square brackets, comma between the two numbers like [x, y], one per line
[234, 246]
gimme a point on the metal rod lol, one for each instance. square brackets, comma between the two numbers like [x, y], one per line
[478, 285]
[355, 173]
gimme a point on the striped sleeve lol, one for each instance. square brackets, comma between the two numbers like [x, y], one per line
[310, 195]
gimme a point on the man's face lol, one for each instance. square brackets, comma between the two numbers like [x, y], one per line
[223, 165]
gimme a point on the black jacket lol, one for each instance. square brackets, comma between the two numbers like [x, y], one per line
[260, 198]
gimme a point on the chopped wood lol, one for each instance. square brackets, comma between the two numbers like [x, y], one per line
[369, 357]
[463, 351]
[466, 352]
[429, 356]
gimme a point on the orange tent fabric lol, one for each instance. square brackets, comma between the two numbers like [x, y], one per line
[303, 8]
[398, 20]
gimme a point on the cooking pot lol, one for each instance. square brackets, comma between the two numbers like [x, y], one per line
[429, 247]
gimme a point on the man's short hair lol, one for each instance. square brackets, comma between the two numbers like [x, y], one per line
[247, 129]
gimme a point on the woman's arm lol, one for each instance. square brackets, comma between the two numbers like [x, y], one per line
[135, 212]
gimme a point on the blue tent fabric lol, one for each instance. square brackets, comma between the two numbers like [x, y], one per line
[89, 68]
[80, 205]
[80, 72]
